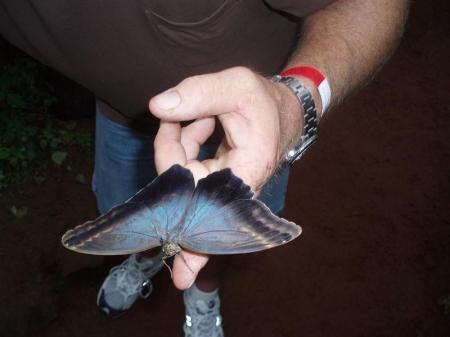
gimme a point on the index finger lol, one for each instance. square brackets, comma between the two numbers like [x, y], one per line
[168, 148]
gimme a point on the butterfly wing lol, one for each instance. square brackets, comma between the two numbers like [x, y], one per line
[222, 219]
[141, 223]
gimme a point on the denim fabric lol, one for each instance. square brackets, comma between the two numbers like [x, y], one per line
[124, 164]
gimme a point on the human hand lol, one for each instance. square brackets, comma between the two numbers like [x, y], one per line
[260, 120]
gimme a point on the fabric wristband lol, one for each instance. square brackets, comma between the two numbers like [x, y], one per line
[319, 80]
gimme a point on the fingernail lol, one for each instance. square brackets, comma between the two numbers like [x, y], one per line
[168, 100]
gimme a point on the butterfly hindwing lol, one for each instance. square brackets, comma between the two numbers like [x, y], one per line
[223, 219]
[141, 222]
[214, 191]
[242, 226]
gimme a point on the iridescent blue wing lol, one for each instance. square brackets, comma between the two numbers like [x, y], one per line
[223, 219]
[141, 223]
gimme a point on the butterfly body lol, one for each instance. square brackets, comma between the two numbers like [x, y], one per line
[218, 216]
[170, 249]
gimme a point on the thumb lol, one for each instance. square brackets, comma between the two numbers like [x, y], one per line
[205, 95]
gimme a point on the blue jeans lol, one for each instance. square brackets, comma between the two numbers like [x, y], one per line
[124, 163]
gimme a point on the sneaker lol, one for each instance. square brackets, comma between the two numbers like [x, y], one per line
[202, 314]
[126, 283]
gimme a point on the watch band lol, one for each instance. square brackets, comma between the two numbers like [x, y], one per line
[310, 130]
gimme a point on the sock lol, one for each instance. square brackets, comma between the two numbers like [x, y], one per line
[195, 292]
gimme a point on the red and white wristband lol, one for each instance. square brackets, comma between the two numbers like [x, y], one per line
[319, 80]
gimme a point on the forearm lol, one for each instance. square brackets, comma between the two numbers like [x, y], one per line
[349, 40]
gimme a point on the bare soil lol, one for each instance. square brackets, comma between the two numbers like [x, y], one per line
[372, 196]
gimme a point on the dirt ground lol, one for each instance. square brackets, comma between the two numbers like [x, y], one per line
[373, 199]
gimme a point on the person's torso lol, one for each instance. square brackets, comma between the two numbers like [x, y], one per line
[127, 51]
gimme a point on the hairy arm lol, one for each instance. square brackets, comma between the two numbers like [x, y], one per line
[348, 41]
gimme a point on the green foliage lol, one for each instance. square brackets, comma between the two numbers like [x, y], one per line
[58, 157]
[81, 179]
[445, 303]
[29, 136]
[19, 212]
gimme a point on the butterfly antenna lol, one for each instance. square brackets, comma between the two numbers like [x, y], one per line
[185, 262]
[168, 267]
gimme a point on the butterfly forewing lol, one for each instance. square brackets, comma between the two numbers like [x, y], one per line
[123, 230]
[141, 223]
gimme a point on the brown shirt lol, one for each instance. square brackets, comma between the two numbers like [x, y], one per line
[126, 51]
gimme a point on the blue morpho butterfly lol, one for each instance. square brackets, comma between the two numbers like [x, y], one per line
[218, 216]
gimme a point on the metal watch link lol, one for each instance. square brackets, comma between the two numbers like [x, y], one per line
[310, 131]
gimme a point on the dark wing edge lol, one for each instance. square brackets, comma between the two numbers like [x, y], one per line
[251, 227]
[175, 180]
[112, 233]
[213, 192]
[223, 186]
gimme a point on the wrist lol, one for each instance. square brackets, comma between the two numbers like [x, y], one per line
[317, 84]
[310, 85]
[309, 131]
[290, 119]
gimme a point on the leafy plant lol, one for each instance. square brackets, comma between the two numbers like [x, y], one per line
[81, 179]
[19, 212]
[445, 302]
[29, 136]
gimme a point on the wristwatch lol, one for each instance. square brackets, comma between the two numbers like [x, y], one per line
[310, 131]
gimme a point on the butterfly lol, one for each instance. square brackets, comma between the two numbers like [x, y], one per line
[218, 216]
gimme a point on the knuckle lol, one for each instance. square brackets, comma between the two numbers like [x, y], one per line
[159, 141]
[190, 83]
[250, 86]
[197, 85]
[242, 71]
[246, 76]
